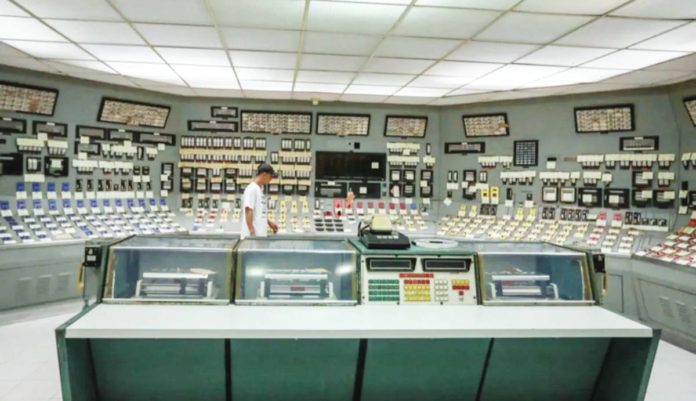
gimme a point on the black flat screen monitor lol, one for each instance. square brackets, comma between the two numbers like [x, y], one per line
[349, 165]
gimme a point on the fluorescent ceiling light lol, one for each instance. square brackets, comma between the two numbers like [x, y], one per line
[317, 87]
[564, 55]
[263, 59]
[261, 39]
[494, 52]
[135, 54]
[462, 69]
[443, 23]
[50, 49]
[164, 11]
[352, 17]
[584, 7]
[576, 76]
[680, 39]
[487, 4]
[82, 64]
[274, 14]
[513, 76]
[325, 62]
[633, 59]
[71, 9]
[371, 90]
[422, 92]
[180, 35]
[368, 78]
[340, 43]
[97, 32]
[261, 74]
[396, 46]
[426, 81]
[154, 72]
[27, 29]
[531, 28]
[212, 83]
[177, 55]
[331, 77]
[677, 9]
[195, 71]
[266, 86]
[397, 65]
[616, 32]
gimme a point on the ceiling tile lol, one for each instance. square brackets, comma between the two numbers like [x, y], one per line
[212, 83]
[338, 63]
[136, 54]
[171, 90]
[678, 9]
[633, 59]
[340, 43]
[263, 59]
[463, 99]
[586, 7]
[27, 29]
[179, 35]
[329, 97]
[616, 32]
[495, 52]
[368, 78]
[7, 51]
[199, 72]
[267, 94]
[531, 28]
[410, 99]
[396, 46]
[266, 85]
[155, 72]
[463, 92]
[319, 87]
[680, 39]
[97, 32]
[427, 81]
[406, 2]
[9, 9]
[462, 69]
[486, 4]
[50, 49]
[648, 77]
[444, 22]
[107, 78]
[513, 76]
[686, 63]
[72, 9]
[165, 11]
[352, 17]
[278, 14]
[178, 55]
[227, 93]
[397, 65]
[261, 39]
[564, 55]
[80, 66]
[576, 76]
[332, 77]
[357, 98]
[261, 74]
[28, 63]
[422, 92]
[372, 90]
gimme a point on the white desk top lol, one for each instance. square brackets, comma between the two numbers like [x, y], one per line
[233, 321]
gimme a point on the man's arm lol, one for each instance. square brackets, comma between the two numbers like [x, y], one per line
[274, 226]
[249, 218]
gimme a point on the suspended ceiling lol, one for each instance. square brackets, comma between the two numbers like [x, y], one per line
[434, 52]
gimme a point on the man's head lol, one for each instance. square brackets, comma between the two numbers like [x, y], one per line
[264, 174]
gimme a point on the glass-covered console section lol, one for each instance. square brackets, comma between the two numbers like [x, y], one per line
[169, 269]
[533, 273]
[296, 271]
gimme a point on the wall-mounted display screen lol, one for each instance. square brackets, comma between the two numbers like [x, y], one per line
[272, 122]
[639, 143]
[465, 148]
[224, 112]
[406, 126]
[613, 118]
[91, 132]
[50, 128]
[690, 104]
[213, 126]
[13, 125]
[27, 99]
[133, 113]
[343, 124]
[486, 125]
[349, 165]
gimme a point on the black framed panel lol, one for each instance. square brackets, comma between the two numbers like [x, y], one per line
[88, 148]
[690, 104]
[465, 148]
[343, 124]
[482, 125]
[10, 125]
[153, 138]
[121, 135]
[276, 122]
[27, 99]
[213, 126]
[128, 112]
[85, 131]
[224, 112]
[526, 153]
[604, 119]
[639, 143]
[50, 128]
[405, 126]
[590, 197]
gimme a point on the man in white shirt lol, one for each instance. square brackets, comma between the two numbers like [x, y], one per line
[255, 220]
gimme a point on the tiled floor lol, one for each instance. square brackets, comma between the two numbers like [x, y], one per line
[29, 365]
